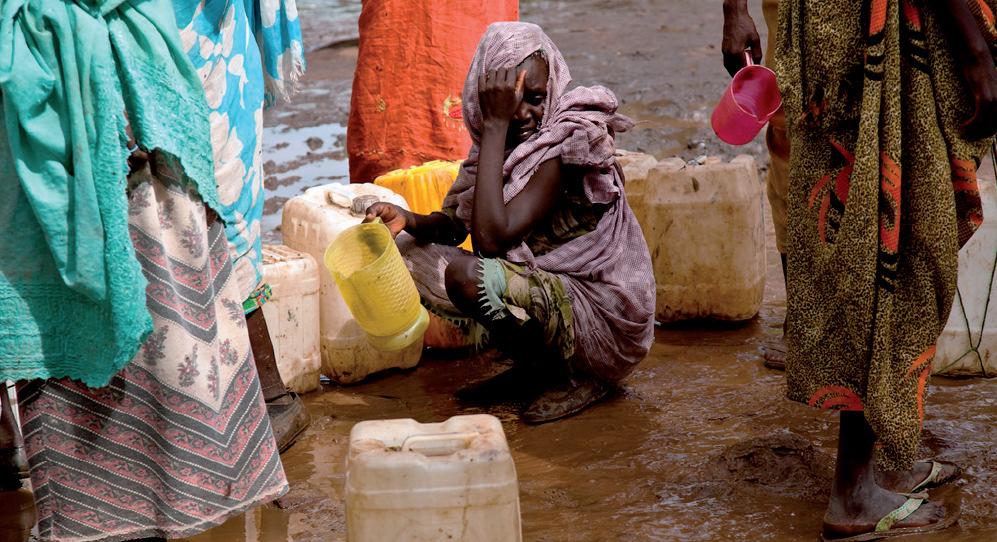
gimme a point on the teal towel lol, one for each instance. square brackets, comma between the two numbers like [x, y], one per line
[72, 295]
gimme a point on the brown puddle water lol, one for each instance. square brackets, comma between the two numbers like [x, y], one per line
[702, 446]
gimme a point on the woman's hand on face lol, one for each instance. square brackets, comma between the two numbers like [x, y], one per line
[981, 77]
[500, 93]
[393, 216]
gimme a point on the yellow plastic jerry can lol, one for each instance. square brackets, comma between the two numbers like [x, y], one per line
[424, 187]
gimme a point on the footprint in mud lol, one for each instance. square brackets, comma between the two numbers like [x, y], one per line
[784, 464]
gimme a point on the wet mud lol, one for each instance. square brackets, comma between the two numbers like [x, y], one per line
[701, 445]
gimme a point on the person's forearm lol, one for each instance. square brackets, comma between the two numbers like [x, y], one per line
[960, 25]
[435, 228]
[739, 35]
[735, 6]
[490, 218]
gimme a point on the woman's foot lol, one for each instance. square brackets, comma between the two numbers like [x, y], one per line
[858, 505]
[288, 419]
[515, 383]
[574, 395]
[861, 512]
[925, 475]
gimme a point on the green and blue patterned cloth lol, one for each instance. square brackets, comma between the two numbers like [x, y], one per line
[249, 54]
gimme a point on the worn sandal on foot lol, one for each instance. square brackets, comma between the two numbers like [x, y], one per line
[567, 400]
[514, 384]
[288, 419]
[935, 478]
[884, 529]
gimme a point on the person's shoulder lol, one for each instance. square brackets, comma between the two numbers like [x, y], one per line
[568, 173]
[573, 173]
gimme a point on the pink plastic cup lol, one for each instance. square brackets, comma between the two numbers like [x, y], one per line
[747, 104]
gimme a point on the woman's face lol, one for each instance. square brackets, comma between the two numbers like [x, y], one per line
[526, 120]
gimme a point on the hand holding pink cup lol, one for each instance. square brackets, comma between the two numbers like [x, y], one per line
[747, 104]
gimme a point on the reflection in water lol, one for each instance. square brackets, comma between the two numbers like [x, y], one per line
[296, 159]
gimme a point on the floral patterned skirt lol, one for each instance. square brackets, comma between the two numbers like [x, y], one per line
[179, 441]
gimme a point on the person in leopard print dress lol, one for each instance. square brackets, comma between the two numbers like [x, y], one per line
[890, 106]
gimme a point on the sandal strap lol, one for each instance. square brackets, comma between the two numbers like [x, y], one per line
[902, 512]
[931, 478]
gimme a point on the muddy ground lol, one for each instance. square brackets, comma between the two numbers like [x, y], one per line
[702, 446]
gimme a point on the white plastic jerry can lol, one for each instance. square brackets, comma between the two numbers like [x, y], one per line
[636, 165]
[968, 345]
[292, 315]
[705, 230]
[310, 223]
[413, 482]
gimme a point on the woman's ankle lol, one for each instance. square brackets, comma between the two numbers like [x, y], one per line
[854, 479]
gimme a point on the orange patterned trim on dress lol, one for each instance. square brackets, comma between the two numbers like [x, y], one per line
[889, 217]
[877, 16]
[821, 183]
[838, 196]
[985, 10]
[875, 53]
[984, 20]
[822, 219]
[968, 203]
[836, 398]
[914, 44]
[923, 365]
[912, 14]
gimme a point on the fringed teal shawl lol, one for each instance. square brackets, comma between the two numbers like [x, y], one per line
[72, 295]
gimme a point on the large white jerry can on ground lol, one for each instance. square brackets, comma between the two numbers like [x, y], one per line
[413, 482]
[310, 223]
[705, 230]
[292, 315]
[968, 345]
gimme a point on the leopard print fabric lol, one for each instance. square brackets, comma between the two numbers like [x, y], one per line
[882, 194]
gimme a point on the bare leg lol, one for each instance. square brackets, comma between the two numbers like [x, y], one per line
[857, 503]
[774, 351]
[13, 466]
[519, 342]
[777, 140]
[266, 361]
[288, 416]
[16, 501]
